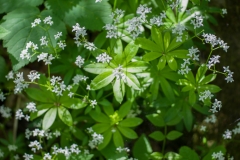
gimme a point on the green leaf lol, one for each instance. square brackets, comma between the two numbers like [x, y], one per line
[178, 53]
[39, 95]
[174, 44]
[130, 51]
[107, 107]
[192, 97]
[87, 11]
[211, 87]
[202, 109]
[102, 80]
[49, 118]
[171, 15]
[157, 37]
[119, 90]
[188, 154]
[156, 156]
[136, 67]
[151, 56]
[3, 69]
[161, 63]
[97, 68]
[187, 117]
[172, 156]
[124, 109]
[167, 89]
[127, 132]
[72, 103]
[42, 108]
[157, 135]
[101, 127]
[99, 117]
[172, 63]
[190, 77]
[117, 139]
[209, 78]
[131, 122]
[167, 39]
[142, 148]
[116, 46]
[107, 137]
[65, 116]
[10, 5]
[174, 135]
[147, 44]
[132, 81]
[156, 120]
[215, 149]
[3, 32]
[201, 72]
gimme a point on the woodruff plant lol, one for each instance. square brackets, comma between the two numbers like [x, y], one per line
[98, 92]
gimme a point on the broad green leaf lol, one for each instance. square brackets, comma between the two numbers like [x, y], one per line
[107, 107]
[167, 39]
[130, 51]
[107, 137]
[184, 82]
[156, 156]
[178, 53]
[3, 32]
[202, 109]
[211, 87]
[157, 135]
[10, 5]
[132, 81]
[142, 148]
[72, 103]
[174, 135]
[65, 116]
[187, 88]
[188, 154]
[136, 67]
[192, 97]
[170, 14]
[34, 115]
[124, 109]
[201, 72]
[102, 80]
[156, 120]
[161, 63]
[190, 77]
[167, 89]
[209, 78]
[127, 132]
[157, 38]
[131, 122]
[99, 117]
[154, 89]
[39, 95]
[151, 56]
[147, 44]
[97, 68]
[117, 139]
[101, 127]
[86, 12]
[116, 46]
[49, 118]
[171, 63]
[119, 90]
[172, 156]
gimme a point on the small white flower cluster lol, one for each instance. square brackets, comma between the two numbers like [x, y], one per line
[211, 119]
[112, 28]
[35, 145]
[79, 61]
[58, 86]
[19, 81]
[135, 24]
[47, 20]
[98, 1]
[19, 115]
[205, 95]
[227, 134]
[229, 77]
[66, 151]
[90, 46]
[25, 53]
[197, 21]
[203, 128]
[45, 57]
[96, 139]
[41, 133]
[192, 53]
[1, 153]
[2, 97]
[118, 73]
[217, 105]
[31, 106]
[174, 5]
[43, 40]
[213, 60]
[12, 147]
[58, 35]
[78, 78]
[5, 112]
[237, 129]
[134, 112]
[214, 41]
[61, 45]
[179, 29]
[120, 149]
[184, 67]
[93, 103]
[219, 155]
[79, 31]
[158, 20]
[47, 156]
[27, 156]
[224, 11]
[103, 58]
[33, 75]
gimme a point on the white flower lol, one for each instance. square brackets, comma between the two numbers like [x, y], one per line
[205, 95]
[98, 1]
[197, 21]
[5, 112]
[104, 57]
[61, 45]
[33, 75]
[227, 134]
[31, 107]
[79, 61]
[19, 114]
[89, 46]
[27, 156]
[43, 40]
[217, 105]
[47, 156]
[48, 20]
[2, 97]
[203, 128]
[58, 35]
[118, 73]
[12, 147]
[93, 103]
[10, 75]
[224, 11]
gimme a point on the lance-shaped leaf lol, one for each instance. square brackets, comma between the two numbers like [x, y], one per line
[179, 53]
[73, 103]
[167, 39]
[97, 68]
[101, 127]
[107, 137]
[102, 80]
[167, 89]
[119, 90]
[171, 62]
[65, 116]
[127, 132]
[161, 63]
[157, 135]
[147, 44]
[99, 117]
[157, 37]
[132, 81]
[130, 122]
[151, 56]
[49, 118]
[117, 139]
[130, 51]
[136, 67]
[174, 135]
